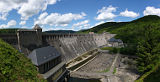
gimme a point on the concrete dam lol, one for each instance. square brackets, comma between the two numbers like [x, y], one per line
[70, 45]
[54, 54]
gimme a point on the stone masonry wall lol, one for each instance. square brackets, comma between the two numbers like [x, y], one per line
[73, 45]
[69, 45]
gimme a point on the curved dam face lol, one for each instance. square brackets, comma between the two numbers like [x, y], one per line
[70, 45]
[73, 45]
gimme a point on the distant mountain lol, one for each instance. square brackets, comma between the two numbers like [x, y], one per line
[102, 27]
[113, 26]
[9, 30]
[14, 30]
[125, 30]
[60, 31]
[129, 32]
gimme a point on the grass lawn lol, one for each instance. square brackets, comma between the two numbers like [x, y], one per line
[107, 48]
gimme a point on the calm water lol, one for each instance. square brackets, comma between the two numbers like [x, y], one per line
[73, 79]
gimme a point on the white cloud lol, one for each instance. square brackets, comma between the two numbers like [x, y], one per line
[151, 11]
[26, 27]
[127, 13]
[22, 23]
[59, 28]
[56, 19]
[81, 25]
[52, 1]
[43, 15]
[3, 16]
[47, 29]
[8, 5]
[9, 24]
[106, 13]
[34, 7]
[26, 8]
[101, 22]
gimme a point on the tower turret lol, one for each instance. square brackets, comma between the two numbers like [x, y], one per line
[37, 28]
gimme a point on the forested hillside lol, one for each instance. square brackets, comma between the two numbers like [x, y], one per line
[60, 31]
[14, 66]
[142, 38]
[9, 30]
[130, 32]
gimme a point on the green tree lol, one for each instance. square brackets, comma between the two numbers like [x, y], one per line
[148, 49]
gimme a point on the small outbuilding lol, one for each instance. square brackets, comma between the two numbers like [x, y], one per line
[115, 42]
[49, 64]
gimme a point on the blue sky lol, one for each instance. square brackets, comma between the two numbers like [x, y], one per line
[72, 14]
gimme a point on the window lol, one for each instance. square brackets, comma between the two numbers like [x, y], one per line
[45, 67]
[49, 64]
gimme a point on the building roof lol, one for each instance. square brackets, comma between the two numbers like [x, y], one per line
[42, 55]
[37, 27]
[115, 40]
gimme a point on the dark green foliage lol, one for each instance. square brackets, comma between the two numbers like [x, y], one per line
[60, 31]
[141, 37]
[14, 30]
[104, 27]
[113, 50]
[129, 32]
[14, 66]
[107, 48]
[128, 50]
[154, 76]
[114, 71]
[148, 49]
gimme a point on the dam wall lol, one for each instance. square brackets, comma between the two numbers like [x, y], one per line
[9, 38]
[29, 39]
[70, 45]
[73, 45]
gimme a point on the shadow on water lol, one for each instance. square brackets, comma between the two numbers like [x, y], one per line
[74, 79]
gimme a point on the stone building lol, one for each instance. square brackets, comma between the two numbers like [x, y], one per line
[29, 38]
[49, 64]
[115, 42]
